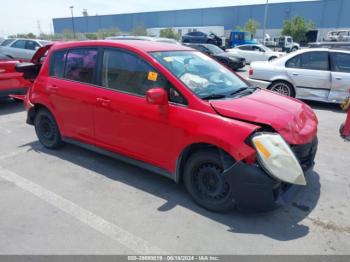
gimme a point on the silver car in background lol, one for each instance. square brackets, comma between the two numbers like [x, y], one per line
[145, 38]
[21, 49]
[313, 74]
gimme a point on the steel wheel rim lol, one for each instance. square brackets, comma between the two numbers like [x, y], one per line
[209, 183]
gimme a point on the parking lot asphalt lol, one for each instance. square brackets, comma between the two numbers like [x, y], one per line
[73, 201]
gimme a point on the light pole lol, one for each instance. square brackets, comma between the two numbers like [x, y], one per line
[265, 18]
[73, 27]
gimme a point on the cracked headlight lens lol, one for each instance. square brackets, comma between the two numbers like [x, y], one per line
[278, 159]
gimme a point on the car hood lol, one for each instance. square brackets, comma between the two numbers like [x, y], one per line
[292, 119]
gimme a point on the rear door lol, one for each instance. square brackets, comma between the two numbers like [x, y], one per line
[340, 72]
[71, 88]
[310, 74]
[17, 50]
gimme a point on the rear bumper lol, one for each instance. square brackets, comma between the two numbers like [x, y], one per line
[259, 83]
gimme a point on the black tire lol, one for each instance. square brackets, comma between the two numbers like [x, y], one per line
[283, 88]
[47, 130]
[204, 181]
[294, 49]
[272, 58]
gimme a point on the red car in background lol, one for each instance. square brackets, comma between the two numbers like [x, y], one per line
[177, 112]
[12, 80]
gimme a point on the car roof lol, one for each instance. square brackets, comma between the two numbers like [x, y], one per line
[141, 45]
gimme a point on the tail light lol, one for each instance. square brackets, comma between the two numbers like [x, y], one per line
[251, 71]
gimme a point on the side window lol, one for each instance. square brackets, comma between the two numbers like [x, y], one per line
[21, 44]
[340, 62]
[129, 73]
[245, 47]
[81, 65]
[315, 61]
[294, 62]
[31, 45]
[57, 61]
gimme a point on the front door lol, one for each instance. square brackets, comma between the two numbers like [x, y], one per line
[124, 121]
[310, 73]
[340, 76]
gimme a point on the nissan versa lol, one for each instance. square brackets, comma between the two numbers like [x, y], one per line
[176, 112]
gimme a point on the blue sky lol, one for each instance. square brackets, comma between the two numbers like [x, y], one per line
[23, 16]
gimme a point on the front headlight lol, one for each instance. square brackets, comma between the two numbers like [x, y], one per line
[278, 159]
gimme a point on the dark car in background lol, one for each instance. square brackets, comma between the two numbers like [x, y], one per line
[202, 38]
[232, 61]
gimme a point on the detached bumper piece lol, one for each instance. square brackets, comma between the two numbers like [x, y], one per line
[254, 190]
[306, 154]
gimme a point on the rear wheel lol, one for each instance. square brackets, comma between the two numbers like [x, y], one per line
[47, 130]
[204, 180]
[283, 88]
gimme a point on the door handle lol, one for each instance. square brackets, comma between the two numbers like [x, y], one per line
[339, 78]
[103, 101]
[295, 74]
[52, 88]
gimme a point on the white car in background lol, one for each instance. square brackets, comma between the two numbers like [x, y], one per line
[21, 49]
[252, 52]
[318, 74]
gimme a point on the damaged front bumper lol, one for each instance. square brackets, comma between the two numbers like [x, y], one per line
[254, 190]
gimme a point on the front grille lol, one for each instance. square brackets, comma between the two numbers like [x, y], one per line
[306, 154]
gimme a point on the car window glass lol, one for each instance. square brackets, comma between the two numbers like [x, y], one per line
[294, 62]
[245, 47]
[57, 62]
[81, 64]
[129, 73]
[341, 62]
[315, 61]
[31, 45]
[7, 42]
[19, 44]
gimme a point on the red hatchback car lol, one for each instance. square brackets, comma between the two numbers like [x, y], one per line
[177, 112]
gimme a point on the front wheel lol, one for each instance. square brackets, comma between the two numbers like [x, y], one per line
[294, 49]
[283, 88]
[204, 180]
[47, 130]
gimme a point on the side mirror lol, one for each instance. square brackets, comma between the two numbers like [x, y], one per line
[157, 96]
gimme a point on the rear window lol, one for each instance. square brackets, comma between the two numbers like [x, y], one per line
[7, 42]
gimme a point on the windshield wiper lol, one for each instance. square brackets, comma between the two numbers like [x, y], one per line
[240, 90]
[213, 96]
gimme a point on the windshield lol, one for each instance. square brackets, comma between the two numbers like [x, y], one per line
[214, 49]
[205, 77]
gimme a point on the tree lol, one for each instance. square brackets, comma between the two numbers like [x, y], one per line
[106, 32]
[297, 27]
[169, 33]
[139, 31]
[251, 26]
